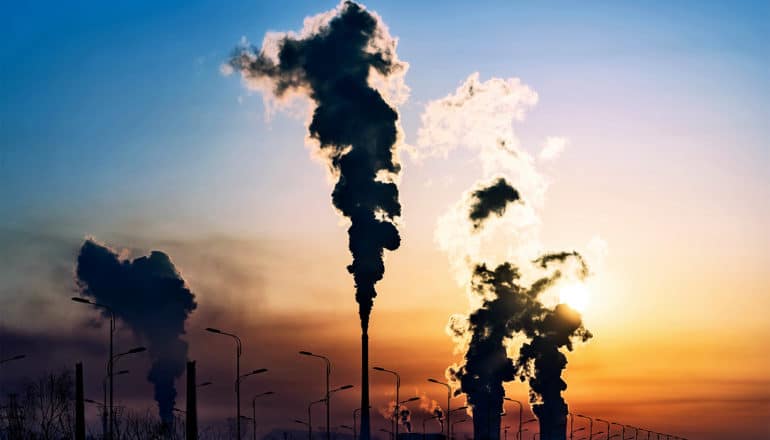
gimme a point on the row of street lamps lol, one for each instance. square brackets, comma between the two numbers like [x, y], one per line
[109, 410]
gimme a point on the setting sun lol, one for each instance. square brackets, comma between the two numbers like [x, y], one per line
[575, 295]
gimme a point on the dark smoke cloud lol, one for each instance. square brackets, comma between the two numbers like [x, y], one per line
[511, 308]
[148, 295]
[491, 199]
[353, 124]
[405, 418]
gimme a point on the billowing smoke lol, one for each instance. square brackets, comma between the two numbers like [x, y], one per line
[345, 62]
[509, 309]
[492, 199]
[150, 297]
[501, 261]
[405, 418]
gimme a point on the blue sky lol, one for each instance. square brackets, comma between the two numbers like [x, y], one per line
[109, 105]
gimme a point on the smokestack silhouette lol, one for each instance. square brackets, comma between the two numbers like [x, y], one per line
[510, 308]
[332, 63]
[191, 414]
[80, 411]
[149, 296]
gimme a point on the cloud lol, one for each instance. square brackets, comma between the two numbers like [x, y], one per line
[553, 147]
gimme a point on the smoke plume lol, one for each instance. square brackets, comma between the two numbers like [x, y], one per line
[345, 62]
[491, 199]
[509, 286]
[151, 298]
[354, 126]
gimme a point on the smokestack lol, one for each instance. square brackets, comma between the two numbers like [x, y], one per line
[509, 307]
[80, 411]
[150, 296]
[345, 62]
[191, 419]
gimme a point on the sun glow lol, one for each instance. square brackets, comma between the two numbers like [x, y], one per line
[575, 295]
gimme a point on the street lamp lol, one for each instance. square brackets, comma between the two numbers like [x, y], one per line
[238, 353]
[636, 431]
[110, 369]
[448, 403]
[310, 417]
[111, 312]
[425, 420]
[355, 411]
[522, 433]
[590, 425]
[14, 358]
[203, 384]
[254, 409]
[622, 431]
[521, 408]
[396, 410]
[505, 431]
[608, 426]
[328, 375]
[105, 429]
[458, 422]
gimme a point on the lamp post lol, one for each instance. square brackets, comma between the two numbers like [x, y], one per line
[425, 420]
[636, 431]
[204, 384]
[505, 431]
[448, 403]
[13, 358]
[622, 430]
[254, 410]
[521, 408]
[328, 374]
[590, 425]
[112, 345]
[105, 430]
[390, 433]
[609, 424]
[355, 411]
[394, 422]
[238, 353]
[571, 433]
[522, 433]
[525, 422]
[110, 369]
[398, 410]
[455, 410]
[310, 417]
[458, 422]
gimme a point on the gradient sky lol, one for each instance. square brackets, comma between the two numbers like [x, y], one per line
[115, 122]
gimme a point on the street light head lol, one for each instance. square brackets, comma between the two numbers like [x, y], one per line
[81, 300]
[300, 422]
[306, 353]
[136, 350]
[378, 368]
[267, 393]
[346, 387]
[213, 330]
[204, 384]
[259, 370]
[19, 356]
[121, 372]
[412, 399]
[433, 380]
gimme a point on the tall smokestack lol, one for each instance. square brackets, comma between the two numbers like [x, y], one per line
[345, 62]
[150, 296]
[191, 419]
[80, 410]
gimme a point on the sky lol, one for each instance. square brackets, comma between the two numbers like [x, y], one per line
[117, 124]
